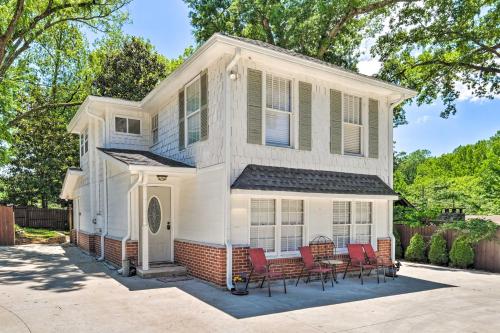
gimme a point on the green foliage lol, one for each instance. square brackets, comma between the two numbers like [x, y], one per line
[462, 253]
[132, 71]
[414, 217]
[474, 230]
[469, 177]
[437, 250]
[398, 246]
[437, 47]
[416, 249]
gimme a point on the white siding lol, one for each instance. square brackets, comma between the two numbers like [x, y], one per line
[319, 157]
[118, 185]
[125, 140]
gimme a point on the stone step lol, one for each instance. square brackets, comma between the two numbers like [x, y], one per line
[165, 270]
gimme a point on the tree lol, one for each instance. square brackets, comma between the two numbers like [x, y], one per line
[327, 30]
[133, 70]
[23, 23]
[440, 47]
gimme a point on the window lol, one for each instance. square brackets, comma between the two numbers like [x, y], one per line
[352, 223]
[127, 125]
[154, 128]
[84, 142]
[352, 124]
[273, 234]
[278, 111]
[193, 113]
[341, 223]
[292, 225]
[363, 221]
[262, 224]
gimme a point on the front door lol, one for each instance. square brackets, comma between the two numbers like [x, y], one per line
[159, 221]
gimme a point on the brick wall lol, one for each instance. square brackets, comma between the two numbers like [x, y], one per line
[204, 261]
[113, 251]
[384, 247]
[86, 242]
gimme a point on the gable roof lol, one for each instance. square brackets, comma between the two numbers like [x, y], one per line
[268, 178]
[142, 158]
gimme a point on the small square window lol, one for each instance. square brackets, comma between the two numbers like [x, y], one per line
[134, 126]
[121, 125]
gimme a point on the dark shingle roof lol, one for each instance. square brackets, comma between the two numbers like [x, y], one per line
[267, 178]
[304, 57]
[142, 157]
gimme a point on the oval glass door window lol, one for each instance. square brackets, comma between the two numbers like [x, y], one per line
[154, 215]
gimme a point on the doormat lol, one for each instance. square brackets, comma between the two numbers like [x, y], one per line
[169, 279]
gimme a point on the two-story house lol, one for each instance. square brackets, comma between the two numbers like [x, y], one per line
[245, 145]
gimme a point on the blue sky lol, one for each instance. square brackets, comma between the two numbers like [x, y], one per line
[166, 24]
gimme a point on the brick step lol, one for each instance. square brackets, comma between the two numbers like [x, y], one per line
[164, 270]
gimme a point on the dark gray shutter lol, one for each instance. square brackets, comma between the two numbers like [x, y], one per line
[335, 122]
[372, 128]
[181, 120]
[305, 101]
[254, 106]
[204, 106]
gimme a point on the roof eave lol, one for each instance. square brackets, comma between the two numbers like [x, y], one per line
[265, 193]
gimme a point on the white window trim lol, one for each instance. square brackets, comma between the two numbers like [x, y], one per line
[362, 125]
[84, 138]
[153, 142]
[353, 224]
[127, 117]
[277, 226]
[186, 133]
[292, 114]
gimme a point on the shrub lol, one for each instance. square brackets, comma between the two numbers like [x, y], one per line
[462, 253]
[416, 249]
[437, 250]
[399, 247]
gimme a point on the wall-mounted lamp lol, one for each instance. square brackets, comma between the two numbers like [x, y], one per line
[233, 76]
[161, 178]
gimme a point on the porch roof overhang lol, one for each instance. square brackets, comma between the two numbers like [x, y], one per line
[145, 161]
[70, 181]
[259, 180]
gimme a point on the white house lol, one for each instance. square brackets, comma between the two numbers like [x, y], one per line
[245, 145]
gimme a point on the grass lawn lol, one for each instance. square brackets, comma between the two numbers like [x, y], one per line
[38, 232]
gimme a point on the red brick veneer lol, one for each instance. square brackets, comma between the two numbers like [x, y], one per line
[86, 242]
[204, 261]
[384, 247]
[113, 251]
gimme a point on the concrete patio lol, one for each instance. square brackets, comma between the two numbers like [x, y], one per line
[47, 288]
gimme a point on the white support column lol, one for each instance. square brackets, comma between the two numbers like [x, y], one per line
[145, 230]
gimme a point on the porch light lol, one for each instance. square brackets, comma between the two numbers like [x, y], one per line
[161, 178]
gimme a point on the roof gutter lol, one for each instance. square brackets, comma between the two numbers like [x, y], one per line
[229, 77]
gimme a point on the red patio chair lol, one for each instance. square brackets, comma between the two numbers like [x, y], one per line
[357, 259]
[310, 266]
[260, 266]
[373, 258]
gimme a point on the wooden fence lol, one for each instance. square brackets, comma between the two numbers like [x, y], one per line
[48, 218]
[487, 253]
[7, 231]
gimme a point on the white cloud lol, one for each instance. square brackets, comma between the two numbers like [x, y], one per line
[422, 119]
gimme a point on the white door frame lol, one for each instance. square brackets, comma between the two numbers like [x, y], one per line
[145, 227]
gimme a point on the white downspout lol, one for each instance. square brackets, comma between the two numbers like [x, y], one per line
[104, 233]
[129, 214]
[390, 162]
[96, 176]
[227, 169]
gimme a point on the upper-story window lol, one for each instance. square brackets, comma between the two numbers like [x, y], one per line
[278, 111]
[84, 142]
[154, 128]
[352, 124]
[193, 111]
[127, 125]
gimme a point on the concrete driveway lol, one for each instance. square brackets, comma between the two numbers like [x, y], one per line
[49, 288]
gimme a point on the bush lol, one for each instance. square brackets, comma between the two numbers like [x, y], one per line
[399, 247]
[416, 249]
[437, 251]
[462, 253]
